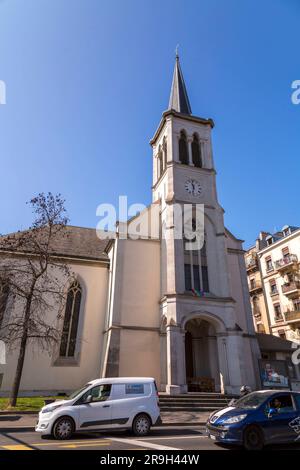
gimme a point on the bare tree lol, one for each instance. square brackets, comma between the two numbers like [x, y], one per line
[31, 273]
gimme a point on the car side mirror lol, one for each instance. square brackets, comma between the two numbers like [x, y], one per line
[272, 412]
[89, 399]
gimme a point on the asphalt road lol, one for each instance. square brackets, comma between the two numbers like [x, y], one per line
[161, 438]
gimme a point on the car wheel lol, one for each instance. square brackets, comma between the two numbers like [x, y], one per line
[253, 438]
[141, 425]
[63, 428]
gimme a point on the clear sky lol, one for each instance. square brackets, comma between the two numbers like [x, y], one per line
[87, 81]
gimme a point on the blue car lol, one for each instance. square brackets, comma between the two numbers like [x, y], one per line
[257, 419]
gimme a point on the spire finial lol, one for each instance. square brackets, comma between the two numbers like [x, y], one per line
[179, 100]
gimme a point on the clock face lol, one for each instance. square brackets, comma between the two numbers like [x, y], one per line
[193, 187]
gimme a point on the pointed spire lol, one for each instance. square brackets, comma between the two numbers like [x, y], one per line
[179, 100]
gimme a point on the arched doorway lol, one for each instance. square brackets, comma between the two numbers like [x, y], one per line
[201, 356]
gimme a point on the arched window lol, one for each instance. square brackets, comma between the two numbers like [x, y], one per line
[195, 267]
[183, 149]
[159, 163]
[196, 152]
[165, 152]
[4, 292]
[70, 328]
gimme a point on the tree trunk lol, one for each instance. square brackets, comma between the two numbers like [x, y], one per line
[18, 375]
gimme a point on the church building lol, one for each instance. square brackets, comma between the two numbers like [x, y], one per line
[147, 306]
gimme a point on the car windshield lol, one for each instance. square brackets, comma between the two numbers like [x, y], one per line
[251, 401]
[77, 392]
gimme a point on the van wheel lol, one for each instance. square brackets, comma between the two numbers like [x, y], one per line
[141, 425]
[253, 438]
[63, 428]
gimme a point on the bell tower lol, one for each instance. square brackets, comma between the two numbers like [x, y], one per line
[184, 174]
[197, 292]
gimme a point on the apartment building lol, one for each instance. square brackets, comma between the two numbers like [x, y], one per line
[274, 283]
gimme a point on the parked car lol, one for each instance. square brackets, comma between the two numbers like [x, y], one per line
[255, 420]
[103, 404]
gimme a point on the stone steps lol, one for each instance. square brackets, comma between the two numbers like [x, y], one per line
[194, 402]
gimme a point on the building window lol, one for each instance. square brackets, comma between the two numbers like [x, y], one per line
[269, 264]
[183, 149]
[195, 269]
[160, 162]
[277, 312]
[286, 253]
[281, 334]
[188, 277]
[70, 328]
[165, 152]
[296, 304]
[4, 292]
[196, 152]
[273, 287]
[256, 309]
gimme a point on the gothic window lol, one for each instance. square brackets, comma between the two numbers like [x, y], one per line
[195, 268]
[160, 162]
[196, 152]
[4, 292]
[165, 152]
[183, 149]
[71, 319]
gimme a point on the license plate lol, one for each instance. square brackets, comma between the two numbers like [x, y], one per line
[212, 437]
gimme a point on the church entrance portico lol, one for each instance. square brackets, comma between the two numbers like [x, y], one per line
[201, 357]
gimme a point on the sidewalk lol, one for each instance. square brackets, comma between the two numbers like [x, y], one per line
[26, 422]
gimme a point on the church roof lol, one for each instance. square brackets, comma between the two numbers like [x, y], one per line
[72, 242]
[179, 100]
[81, 242]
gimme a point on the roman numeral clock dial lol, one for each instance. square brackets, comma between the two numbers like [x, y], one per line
[193, 187]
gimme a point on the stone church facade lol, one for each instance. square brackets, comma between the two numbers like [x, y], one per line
[148, 306]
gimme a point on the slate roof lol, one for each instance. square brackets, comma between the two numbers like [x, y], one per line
[74, 242]
[179, 100]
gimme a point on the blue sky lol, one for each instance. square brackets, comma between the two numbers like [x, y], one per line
[87, 81]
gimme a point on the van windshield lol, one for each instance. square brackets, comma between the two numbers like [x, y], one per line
[77, 392]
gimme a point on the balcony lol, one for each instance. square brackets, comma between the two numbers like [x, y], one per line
[292, 289]
[251, 264]
[255, 287]
[292, 316]
[289, 261]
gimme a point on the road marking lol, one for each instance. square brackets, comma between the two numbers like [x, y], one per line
[137, 442]
[54, 443]
[168, 438]
[91, 444]
[16, 447]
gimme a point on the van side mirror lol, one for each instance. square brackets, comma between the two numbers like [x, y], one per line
[272, 412]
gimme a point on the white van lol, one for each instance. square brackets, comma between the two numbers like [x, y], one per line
[103, 404]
